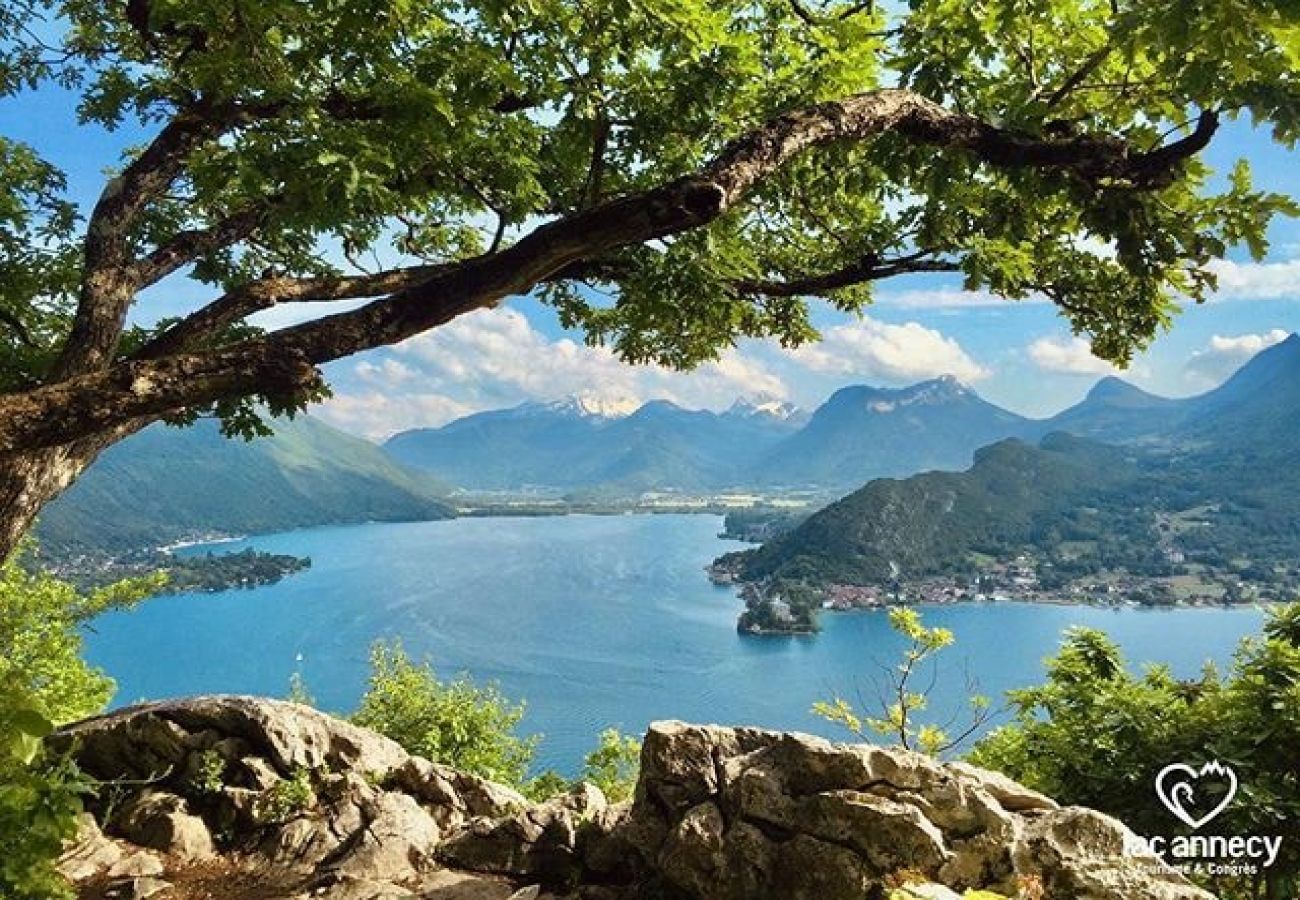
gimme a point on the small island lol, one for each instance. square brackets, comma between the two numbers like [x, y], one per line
[208, 572]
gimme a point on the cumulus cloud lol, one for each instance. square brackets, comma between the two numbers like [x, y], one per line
[1257, 281]
[378, 414]
[1226, 354]
[871, 349]
[496, 358]
[1068, 357]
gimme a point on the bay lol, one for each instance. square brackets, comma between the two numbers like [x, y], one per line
[595, 621]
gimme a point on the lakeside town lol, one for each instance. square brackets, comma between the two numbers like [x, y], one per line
[783, 607]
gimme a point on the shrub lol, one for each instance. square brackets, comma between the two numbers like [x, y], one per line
[1096, 734]
[614, 764]
[285, 799]
[901, 716]
[40, 797]
[40, 638]
[44, 682]
[456, 723]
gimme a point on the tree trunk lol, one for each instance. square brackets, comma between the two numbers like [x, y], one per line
[28, 481]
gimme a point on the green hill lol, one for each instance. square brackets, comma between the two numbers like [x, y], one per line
[168, 484]
[931, 523]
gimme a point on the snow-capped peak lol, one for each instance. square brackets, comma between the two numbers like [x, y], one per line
[596, 406]
[764, 405]
[943, 389]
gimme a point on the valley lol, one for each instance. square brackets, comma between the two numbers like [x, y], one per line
[923, 494]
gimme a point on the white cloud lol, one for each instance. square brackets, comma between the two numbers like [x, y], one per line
[1257, 281]
[496, 358]
[872, 349]
[1225, 354]
[378, 414]
[286, 315]
[1069, 357]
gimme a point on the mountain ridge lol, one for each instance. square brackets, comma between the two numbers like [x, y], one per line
[169, 484]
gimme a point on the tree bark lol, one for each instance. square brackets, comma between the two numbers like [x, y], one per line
[29, 481]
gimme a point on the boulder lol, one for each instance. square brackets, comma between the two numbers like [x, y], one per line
[89, 853]
[162, 821]
[307, 806]
[455, 797]
[726, 814]
[542, 841]
[151, 739]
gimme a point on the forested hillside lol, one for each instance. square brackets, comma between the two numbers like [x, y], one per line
[167, 484]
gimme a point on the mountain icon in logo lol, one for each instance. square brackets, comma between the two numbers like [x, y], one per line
[1186, 791]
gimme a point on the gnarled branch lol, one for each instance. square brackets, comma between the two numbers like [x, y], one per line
[64, 412]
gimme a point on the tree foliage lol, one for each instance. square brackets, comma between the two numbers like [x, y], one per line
[456, 723]
[40, 639]
[1097, 735]
[40, 797]
[904, 694]
[613, 766]
[705, 166]
[44, 682]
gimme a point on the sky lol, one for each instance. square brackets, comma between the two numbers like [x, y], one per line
[1019, 355]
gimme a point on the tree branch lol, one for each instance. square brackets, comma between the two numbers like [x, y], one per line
[1079, 75]
[187, 246]
[89, 404]
[107, 289]
[868, 268]
[264, 293]
[283, 360]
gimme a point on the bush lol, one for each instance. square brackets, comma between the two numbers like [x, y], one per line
[456, 723]
[1097, 735]
[40, 639]
[43, 683]
[40, 797]
[285, 799]
[614, 764]
[901, 714]
[613, 767]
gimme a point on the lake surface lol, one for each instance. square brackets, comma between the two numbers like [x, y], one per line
[596, 621]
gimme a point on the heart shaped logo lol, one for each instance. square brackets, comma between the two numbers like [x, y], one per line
[1176, 787]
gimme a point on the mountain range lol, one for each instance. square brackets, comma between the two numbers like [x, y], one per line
[168, 484]
[576, 443]
[858, 434]
[1218, 469]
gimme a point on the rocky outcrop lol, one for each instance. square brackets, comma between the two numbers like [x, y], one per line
[723, 813]
[243, 797]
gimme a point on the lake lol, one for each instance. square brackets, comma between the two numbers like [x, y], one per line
[595, 621]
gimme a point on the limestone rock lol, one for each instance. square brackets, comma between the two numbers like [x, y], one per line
[163, 822]
[397, 841]
[731, 814]
[146, 739]
[456, 797]
[719, 814]
[140, 864]
[137, 888]
[1080, 853]
[90, 853]
[542, 841]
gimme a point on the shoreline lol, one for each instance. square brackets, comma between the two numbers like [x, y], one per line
[928, 605]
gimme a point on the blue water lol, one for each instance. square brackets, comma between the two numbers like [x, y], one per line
[594, 620]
